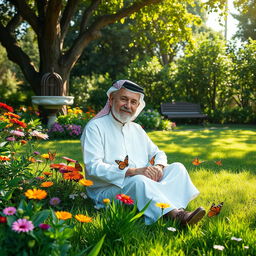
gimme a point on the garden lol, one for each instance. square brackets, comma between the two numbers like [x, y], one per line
[45, 209]
[76, 49]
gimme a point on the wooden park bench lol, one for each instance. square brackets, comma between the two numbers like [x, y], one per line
[182, 110]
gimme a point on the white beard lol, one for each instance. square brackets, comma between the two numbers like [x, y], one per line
[122, 117]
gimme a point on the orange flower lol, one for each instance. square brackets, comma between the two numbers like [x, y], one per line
[36, 194]
[4, 158]
[16, 121]
[23, 142]
[83, 218]
[47, 173]
[46, 184]
[12, 115]
[57, 166]
[86, 182]
[69, 168]
[196, 161]
[106, 201]
[32, 159]
[72, 176]
[62, 215]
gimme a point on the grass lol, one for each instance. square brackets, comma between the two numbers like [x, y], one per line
[233, 183]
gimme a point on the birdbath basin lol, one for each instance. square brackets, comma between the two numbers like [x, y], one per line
[52, 104]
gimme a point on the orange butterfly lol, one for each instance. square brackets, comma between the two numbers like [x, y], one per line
[219, 162]
[51, 156]
[152, 161]
[78, 166]
[122, 164]
[215, 210]
[196, 161]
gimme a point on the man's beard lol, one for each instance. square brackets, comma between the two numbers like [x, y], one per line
[122, 117]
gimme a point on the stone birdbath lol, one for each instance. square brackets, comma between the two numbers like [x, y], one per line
[51, 101]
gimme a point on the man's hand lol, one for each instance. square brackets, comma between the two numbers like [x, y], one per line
[153, 172]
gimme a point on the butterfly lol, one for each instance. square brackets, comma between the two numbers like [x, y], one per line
[218, 162]
[122, 164]
[215, 209]
[196, 161]
[78, 166]
[152, 161]
[51, 156]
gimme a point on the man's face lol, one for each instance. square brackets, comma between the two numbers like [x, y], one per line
[124, 104]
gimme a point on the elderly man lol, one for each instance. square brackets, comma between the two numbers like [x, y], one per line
[121, 159]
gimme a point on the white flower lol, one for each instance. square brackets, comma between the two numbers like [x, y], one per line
[219, 247]
[73, 196]
[83, 195]
[236, 239]
[171, 229]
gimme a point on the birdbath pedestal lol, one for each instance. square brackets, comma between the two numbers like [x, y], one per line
[52, 104]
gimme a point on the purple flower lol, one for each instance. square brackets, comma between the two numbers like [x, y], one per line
[73, 130]
[55, 201]
[9, 210]
[36, 153]
[44, 226]
[10, 139]
[56, 127]
[22, 225]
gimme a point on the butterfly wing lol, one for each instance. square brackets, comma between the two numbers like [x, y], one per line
[51, 156]
[215, 209]
[122, 164]
[152, 161]
[78, 166]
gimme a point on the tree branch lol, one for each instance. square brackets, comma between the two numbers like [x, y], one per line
[66, 17]
[13, 23]
[16, 55]
[87, 13]
[27, 13]
[93, 31]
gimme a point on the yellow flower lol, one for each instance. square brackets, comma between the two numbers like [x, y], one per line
[162, 205]
[45, 156]
[36, 194]
[62, 215]
[46, 184]
[106, 201]
[86, 182]
[83, 218]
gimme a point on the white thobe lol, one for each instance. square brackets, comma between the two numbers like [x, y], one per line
[105, 140]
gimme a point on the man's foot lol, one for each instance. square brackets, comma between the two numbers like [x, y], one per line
[190, 218]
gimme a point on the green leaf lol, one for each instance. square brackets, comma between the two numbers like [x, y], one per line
[141, 212]
[96, 249]
[40, 217]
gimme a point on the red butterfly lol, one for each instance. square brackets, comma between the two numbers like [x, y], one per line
[215, 209]
[122, 164]
[219, 162]
[196, 161]
[152, 161]
[78, 166]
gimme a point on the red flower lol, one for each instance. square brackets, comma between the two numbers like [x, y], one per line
[3, 219]
[16, 121]
[6, 107]
[124, 198]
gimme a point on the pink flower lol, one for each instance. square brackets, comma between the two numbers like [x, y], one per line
[36, 153]
[124, 198]
[39, 135]
[22, 225]
[44, 226]
[10, 139]
[9, 210]
[54, 201]
[17, 133]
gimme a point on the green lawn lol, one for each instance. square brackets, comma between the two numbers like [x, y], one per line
[234, 183]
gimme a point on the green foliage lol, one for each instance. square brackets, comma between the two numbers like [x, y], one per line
[151, 119]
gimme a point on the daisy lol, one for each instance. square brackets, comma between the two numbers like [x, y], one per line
[55, 201]
[9, 211]
[22, 225]
[83, 218]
